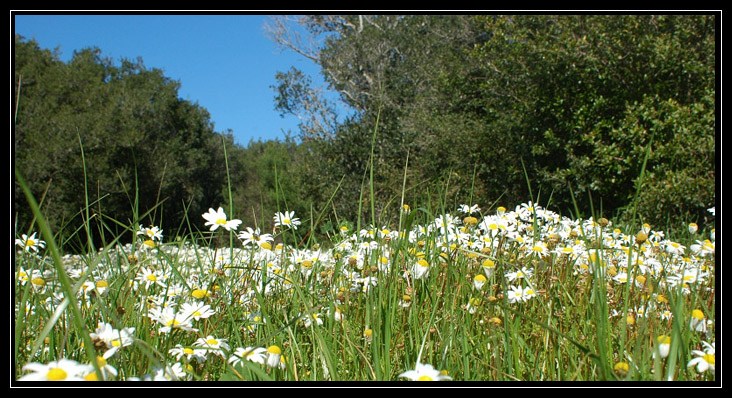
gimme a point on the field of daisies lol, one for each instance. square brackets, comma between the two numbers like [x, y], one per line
[463, 295]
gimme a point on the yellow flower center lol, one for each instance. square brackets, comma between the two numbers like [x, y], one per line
[273, 349]
[424, 378]
[212, 342]
[697, 314]
[152, 278]
[102, 284]
[622, 367]
[199, 293]
[91, 377]
[188, 351]
[30, 242]
[266, 246]
[709, 358]
[56, 374]
[422, 262]
[38, 281]
[173, 322]
[250, 353]
[221, 221]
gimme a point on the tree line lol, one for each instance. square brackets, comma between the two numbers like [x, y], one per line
[568, 108]
[494, 110]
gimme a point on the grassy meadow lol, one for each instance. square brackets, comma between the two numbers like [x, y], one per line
[458, 294]
[433, 286]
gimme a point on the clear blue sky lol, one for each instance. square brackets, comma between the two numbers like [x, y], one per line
[225, 63]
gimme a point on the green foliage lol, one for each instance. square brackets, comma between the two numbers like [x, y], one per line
[680, 181]
[393, 65]
[268, 177]
[485, 109]
[143, 145]
[369, 315]
[472, 99]
[590, 91]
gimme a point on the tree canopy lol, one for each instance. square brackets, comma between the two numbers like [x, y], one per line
[570, 102]
[146, 153]
[488, 109]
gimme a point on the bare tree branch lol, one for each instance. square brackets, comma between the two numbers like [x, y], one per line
[281, 31]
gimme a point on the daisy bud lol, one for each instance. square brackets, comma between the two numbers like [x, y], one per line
[664, 345]
[273, 356]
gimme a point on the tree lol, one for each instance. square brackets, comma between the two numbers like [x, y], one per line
[571, 102]
[275, 176]
[144, 149]
[386, 68]
[592, 93]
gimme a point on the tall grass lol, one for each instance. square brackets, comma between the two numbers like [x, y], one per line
[357, 308]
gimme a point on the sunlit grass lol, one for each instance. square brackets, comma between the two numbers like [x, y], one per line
[442, 292]
[503, 295]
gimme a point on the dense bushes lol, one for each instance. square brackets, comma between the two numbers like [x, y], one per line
[474, 104]
[575, 101]
[593, 94]
[142, 145]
